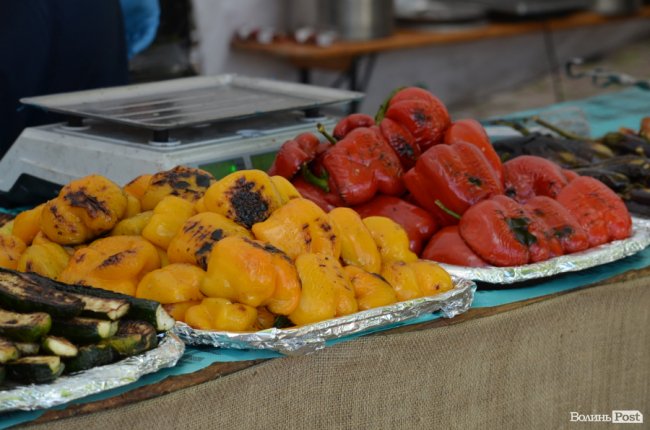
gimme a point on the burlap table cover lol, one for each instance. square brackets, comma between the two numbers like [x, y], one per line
[587, 351]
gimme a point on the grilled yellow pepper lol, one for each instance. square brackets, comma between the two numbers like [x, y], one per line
[172, 284]
[300, 227]
[11, 248]
[222, 315]
[286, 296]
[115, 263]
[322, 286]
[46, 259]
[245, 271]
[357, 244]
[187, 183]
[432, 278]
[372, 291]
[285, 188]
[167, 219]
[196, 238]
[138, 186]
[27, 224]
[84, 209]
[246, 197]
[178, 310]
[401, 277]
[132, 226]
[391, 239]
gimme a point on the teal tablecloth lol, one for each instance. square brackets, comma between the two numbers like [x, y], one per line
[604, 113]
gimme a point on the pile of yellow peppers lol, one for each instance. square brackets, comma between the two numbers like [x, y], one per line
[238, 254]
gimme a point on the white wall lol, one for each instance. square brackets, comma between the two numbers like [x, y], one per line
[457, 73]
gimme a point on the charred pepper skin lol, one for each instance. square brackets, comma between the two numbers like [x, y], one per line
[294, 154]
[471, 131]
[599, 211]
[361, 165]
[456, 175]
[528, 176]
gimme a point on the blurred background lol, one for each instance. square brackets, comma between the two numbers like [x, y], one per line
[483, 76]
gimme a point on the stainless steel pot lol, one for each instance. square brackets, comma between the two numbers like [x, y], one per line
[358, 19]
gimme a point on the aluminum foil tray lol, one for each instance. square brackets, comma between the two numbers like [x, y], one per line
[191, 101]
[592, 257]
[312, 337]
[102, 378]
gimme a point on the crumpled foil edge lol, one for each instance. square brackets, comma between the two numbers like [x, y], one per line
[592, 257]
[312, 337]
[70, 387]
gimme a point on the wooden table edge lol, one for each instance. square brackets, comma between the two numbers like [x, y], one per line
[218, 370]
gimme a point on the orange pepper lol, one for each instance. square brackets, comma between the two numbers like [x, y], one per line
[167, 219]
[357, 244]
[27, 224]
[187, 183]
[11, 248]
[172, 284]
[371, 290]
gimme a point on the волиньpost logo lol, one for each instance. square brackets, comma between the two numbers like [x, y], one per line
[616, 417]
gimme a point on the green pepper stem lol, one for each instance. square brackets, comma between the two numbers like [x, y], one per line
[446, 209]
[321, 130]
[381, 113]
[564, 133]
[320, 182]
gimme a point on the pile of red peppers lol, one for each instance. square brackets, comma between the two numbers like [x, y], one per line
[445, 184]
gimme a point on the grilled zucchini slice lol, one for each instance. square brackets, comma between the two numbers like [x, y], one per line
[28, 348]
[37, 369]
[84, 330]
[132, 338]
[59, 346]
[24, 327]
[21, 292]
[97, 307]
[8, 351]
[90, 356]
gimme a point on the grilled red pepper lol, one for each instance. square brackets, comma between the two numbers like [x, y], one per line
[457, 176]
[503, 233]
[528, 176]
[420, 112]
[350, 122]
[446, 246]
[326, 201]
[398, 137]
[599, 211]
[362, 164]
[560, 223]
[294, 154]
[417, 222]
[471, 131]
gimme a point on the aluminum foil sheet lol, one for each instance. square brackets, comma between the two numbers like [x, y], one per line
[95, 380]
[312, 337]
[592, 257]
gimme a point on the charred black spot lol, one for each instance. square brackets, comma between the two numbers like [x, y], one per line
[202, 254]
[420, 118]
[562, 232]
[475, 181]
[378, 276]
[305, 226]
[116, 258]
[510, 192]
[203, 180]
[249, 205]
[181, 185]
[79, 199]
[325, 226]
[217, 235]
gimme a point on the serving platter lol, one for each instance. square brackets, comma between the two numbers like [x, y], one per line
[312, 337]
[92, 381]
[599, 255]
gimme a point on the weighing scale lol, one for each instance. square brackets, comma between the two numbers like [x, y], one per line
[219, 123]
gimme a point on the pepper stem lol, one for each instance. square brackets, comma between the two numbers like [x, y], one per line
[446, 210]
[564, 133]
[320, 182]
[381, 113]
[321, 130]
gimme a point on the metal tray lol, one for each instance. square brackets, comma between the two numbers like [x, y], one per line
[98, 379]
[592, 257]
[191, 101]
[312, 337]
